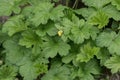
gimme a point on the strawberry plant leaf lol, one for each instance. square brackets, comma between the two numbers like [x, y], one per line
[14, 25]
[85, 71]
[30, 39]
[58, 73]
[113, 63]
[112, 12]
[86, 12]
[80, 34]
[51, 48]
[93, 32]
[3, 37]
[96, 3]
[49, 28]
[72, 54]
[80, 30]
[68, 58]
[94, 68]
[33, 69]
[57, 13]
[103, 55]
[105, 39]
[7, 72]
[65, 25]
[111, 40]
[36, 2]
[87, 52]
[59, 39]
[100, 19]
[41, 13]
[115, 44]
[15, 54]
[116, 3]
[9, 6]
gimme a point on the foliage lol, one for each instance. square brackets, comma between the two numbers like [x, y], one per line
[44, 40]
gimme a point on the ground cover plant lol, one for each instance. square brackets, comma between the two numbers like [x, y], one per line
[59, 39]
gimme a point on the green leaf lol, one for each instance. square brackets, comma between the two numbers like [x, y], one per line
[112, 12]
[113, 63]
[87, 52]
[80, 30]
[26, 11]
[57, 13]
[7, 72]
[115, 25]
[93, 67]
[86, 12]
[109, 10]
[57, 73]
[22, 57]
[116, 3]
[96, 3]
[65, 25]
[68, 58]
[36, 2]
[100, 19]
[85, 71]
[37, 55]
[30, 39]
[72, 54]
[9, 6]
[115, 44]
[103, 55]
[105, 38]
[42, 13]
[77, 22]
[15, 54]
[111, 40]
[3, 37]
[55, 62]
[52, 47]
[31, 70]
[80, 33]
[93, 32]
[14, 25]
[49, 28]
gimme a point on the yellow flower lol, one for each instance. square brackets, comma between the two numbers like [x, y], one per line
[60, 32]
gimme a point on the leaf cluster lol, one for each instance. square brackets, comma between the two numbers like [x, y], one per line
[42, 40]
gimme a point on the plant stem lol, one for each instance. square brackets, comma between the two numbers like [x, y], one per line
[67, 3]
[75, 3]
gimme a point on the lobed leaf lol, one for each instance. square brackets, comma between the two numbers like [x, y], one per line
[58, 73]
[116, 3]
[30, 39]
[100, 19]
[7, 72]
[9, 6]
[14, 25]
[96, 3]
[112, 12]
[31, 70]
[87, 52]
[111, 40]
[51, 48]
[113, 64]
